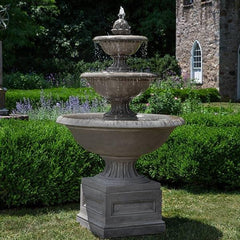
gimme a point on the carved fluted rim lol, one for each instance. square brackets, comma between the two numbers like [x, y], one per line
[95, 120]
[120, 38]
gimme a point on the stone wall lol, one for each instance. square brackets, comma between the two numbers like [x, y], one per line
[229, 44]
[199, 21]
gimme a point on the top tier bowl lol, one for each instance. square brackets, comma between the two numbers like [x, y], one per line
[120, 45]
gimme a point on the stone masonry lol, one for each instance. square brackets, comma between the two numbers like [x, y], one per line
[215, 24]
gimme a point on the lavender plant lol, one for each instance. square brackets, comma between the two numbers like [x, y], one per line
[47, 110]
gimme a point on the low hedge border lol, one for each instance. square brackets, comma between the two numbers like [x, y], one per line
[204, 95]
[41, 164]
[194, 154]
[88, 93]
[56, 95]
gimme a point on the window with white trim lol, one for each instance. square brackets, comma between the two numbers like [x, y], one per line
[197, 57]
[196, 63]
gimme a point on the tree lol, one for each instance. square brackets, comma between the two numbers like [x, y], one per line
[43, 33]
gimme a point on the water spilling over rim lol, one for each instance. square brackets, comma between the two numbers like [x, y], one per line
[119, 38]
[95, 120]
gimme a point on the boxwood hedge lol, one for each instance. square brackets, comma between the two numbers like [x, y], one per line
[41, 164]
[194, 154]
[87, 93]
[204, 95]
[56, 94]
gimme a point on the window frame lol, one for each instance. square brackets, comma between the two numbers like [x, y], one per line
[198, 62]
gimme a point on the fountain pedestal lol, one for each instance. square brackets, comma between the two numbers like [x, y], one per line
[120, 208]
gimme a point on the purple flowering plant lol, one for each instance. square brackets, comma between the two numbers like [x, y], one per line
[48, 109]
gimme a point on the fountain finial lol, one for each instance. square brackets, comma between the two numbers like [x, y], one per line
[121, 26]
[121, 13]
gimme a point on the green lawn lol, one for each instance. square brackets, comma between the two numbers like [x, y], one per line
[195, 215]
[235, 107]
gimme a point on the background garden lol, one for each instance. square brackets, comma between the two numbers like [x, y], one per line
[46, 48]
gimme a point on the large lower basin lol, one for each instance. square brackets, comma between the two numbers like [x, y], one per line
[120, 138]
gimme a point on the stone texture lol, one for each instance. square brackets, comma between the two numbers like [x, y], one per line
[215, 24]
[2, 100]
[119, 88]
[118, 209]
[119, 201]
[14, 116]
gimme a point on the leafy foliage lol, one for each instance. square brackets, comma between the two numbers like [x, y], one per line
[45, 32]
[156, 64]
[19, 43]
[196, 154]
[18, 80]
[56, 94]
[41, 164]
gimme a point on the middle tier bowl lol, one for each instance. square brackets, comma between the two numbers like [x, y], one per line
[119, 88]
[116, 85]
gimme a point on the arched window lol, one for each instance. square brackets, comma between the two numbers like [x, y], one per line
[196, 63]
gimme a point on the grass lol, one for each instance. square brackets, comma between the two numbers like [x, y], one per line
[229, 106]
[189, 215]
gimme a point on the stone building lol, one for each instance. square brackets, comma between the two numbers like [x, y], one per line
[208, 43]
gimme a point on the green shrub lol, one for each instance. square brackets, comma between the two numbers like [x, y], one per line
[212, 119]
[70, 77]
[164, 102]
[41, 164]
[195, 154]
[25, 81]
[159, 65]
[56, 94]
[205, 95]
[67, 74]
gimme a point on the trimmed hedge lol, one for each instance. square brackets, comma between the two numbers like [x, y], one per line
[195, 154]
[41, 164]
[212, 119]
[205, 95]
[56, 94]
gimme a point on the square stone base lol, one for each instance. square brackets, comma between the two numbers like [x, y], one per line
[118, 209]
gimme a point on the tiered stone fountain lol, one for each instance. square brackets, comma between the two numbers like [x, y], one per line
[119, 201]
